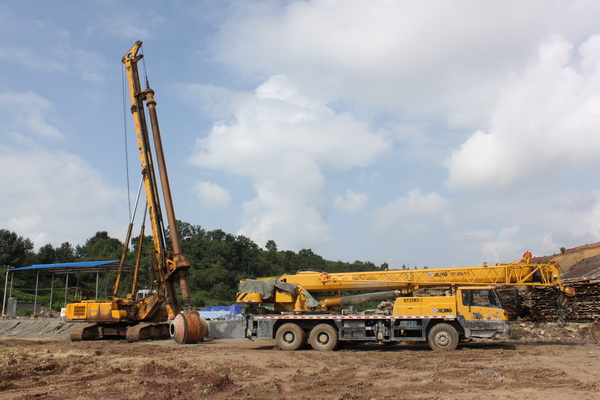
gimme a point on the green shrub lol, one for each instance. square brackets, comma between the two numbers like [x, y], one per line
[24, 313]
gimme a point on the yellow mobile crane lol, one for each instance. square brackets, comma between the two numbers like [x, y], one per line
[146, 318]
[311, 305]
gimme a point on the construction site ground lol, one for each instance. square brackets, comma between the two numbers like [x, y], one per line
[540, 361]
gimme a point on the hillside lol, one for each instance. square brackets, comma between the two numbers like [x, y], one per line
[581, 271]
[586, 268]
[581, 262]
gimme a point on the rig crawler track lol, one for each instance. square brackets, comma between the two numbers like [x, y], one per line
[130, 332]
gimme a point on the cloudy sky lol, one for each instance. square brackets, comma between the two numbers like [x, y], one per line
[439, 133]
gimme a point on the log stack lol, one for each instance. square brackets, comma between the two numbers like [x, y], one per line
[584, 307]
[587, 307]
[511, 298]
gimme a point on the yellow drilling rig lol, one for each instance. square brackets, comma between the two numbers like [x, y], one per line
[132, 317]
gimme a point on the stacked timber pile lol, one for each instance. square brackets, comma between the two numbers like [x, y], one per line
[511, 298]
[588, 300]
[584, 307]
[542, 304]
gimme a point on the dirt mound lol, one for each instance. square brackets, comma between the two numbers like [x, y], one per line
[596, 331]
[577, 262]
[23, 327]
[551, 332]
[179, 380]
[586, 268]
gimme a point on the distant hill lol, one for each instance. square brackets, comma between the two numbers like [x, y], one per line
[581, 262]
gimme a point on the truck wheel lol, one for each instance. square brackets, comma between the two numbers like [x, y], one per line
[290, 337]
[323, 337]
[443, 337]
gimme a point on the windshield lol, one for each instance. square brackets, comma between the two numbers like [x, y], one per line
[480, 298]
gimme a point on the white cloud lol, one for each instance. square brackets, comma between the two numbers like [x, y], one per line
[434, 58]
[475, 235]
[570, 218]
[214, 101]
[503, 246]
[547, 119]
[26, 113]
[351, 202]
[349, 94]
[293, 215]
[284, 141]
[415, 213]
[51, 196]
[212, 195]
[275, 126]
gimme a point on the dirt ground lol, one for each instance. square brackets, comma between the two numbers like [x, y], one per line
[546, 362]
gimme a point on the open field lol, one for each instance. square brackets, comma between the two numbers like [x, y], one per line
[548, 362]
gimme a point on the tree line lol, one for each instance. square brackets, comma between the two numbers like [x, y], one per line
[219, 261]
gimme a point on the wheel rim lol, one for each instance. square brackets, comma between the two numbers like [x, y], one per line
[442, 339]
[323, 338]
[289, 337]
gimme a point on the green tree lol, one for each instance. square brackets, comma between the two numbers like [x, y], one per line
[100, 247]
[15, 250]
[271, 259]
[188, 231]
[46, 254]
[307, 259]
[271, 246]
[65, 253]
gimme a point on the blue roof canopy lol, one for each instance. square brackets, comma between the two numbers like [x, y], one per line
[86, 266]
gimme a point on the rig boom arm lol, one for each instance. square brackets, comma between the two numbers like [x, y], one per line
[146, 318]
[172, 265]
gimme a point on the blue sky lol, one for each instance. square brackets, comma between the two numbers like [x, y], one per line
[441, 133]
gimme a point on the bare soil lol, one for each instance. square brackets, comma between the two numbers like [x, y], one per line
[546, 362]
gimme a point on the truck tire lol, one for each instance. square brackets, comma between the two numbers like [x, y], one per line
[323, 337]
[290, 337]
[443, 337]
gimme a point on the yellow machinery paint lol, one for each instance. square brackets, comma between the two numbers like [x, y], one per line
[146, 318]
[318, 306]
